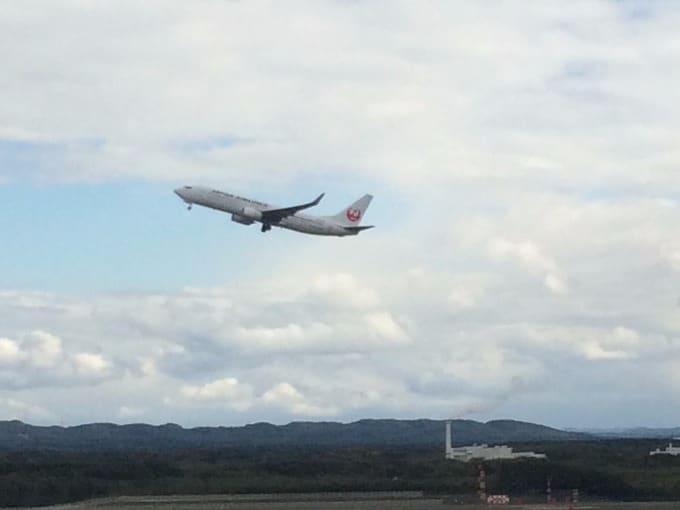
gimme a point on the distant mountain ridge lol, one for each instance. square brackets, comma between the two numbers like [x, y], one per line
[635, 433]
[378, 432]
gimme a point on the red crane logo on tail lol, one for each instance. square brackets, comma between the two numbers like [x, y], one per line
[353, 214]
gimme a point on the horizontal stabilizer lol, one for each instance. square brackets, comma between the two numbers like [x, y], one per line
[356, 230]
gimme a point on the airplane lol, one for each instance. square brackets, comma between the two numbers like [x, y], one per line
[247, 211]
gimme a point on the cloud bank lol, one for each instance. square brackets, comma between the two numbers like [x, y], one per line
[524, 160]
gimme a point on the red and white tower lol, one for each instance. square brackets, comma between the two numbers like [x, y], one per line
[482, 485]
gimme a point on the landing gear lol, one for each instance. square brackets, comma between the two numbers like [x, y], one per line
[189, 207]
[266, 227]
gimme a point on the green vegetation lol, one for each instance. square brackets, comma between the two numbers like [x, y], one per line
[612, 469]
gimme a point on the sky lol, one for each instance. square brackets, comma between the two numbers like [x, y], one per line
[524, 158]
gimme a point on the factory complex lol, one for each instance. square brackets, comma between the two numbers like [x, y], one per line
[483, 451]
[670, 450]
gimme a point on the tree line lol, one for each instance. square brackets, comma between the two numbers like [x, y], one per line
[612, 469]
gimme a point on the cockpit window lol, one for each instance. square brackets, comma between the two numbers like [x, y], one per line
[187, 187]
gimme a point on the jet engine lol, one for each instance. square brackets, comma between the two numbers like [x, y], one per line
[241, 219]
[251, 213]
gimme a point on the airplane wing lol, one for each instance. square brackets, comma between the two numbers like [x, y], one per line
[276, 215]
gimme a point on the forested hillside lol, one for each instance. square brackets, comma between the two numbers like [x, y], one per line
[15, 434]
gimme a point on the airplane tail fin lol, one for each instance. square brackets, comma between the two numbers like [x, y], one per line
[351, 216]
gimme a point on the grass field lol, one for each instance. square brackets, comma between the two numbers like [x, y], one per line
[350, 501]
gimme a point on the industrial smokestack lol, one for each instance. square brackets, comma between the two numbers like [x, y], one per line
[447, 453]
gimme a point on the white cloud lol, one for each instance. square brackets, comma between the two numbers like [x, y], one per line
[45, 349]
[532, 258]
[622, 343]
[227, 391]
[14, 409]
[381, 100]
[37, 359]
[287, 396]
[461, 298]
[290, 336]
[90, 363]
[447, 363]
[671, 254]
[594, 344]
[383, 326]
[9, 351]
[556, 284]
[129, 412]
[343, 290]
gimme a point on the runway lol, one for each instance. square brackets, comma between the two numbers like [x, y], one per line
[332, 501]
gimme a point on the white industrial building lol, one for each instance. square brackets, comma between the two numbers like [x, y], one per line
[484, 451]
[670, 450]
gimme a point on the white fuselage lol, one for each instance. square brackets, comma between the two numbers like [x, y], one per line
[245, 211]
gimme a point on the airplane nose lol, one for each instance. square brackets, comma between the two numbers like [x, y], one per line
[178, 192]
